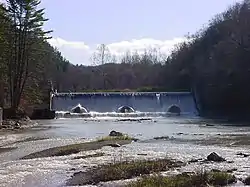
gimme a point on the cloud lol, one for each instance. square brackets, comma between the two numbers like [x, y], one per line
[78, 52]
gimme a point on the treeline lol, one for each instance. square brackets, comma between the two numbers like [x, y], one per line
[27, 62]
[144, 71]
[131, 71]
[213, 64]
[216, 63]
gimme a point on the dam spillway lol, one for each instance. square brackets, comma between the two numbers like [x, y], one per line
[110, 101]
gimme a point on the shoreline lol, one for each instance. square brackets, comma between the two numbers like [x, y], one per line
[17, 124]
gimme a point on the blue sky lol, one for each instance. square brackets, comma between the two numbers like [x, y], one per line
[80, 25]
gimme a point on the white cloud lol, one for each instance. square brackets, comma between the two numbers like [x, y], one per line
[78, 52]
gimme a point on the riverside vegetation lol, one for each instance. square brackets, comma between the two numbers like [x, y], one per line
[213, 63]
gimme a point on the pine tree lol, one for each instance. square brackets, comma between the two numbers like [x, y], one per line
[27, 22]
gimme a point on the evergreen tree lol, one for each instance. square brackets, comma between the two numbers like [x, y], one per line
[26, 29]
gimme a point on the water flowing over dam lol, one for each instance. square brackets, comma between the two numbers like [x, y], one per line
[144, 102]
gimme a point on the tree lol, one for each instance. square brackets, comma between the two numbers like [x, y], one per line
[3, 25]
[100, 57]
[26, 30]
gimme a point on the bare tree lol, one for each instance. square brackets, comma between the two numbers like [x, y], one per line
[102, 56]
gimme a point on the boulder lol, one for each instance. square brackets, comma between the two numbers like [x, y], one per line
[114, 145]
[79, 109]
[246, 181]
[115, 133]
[174, 109]
[17, 125]
[215, 157]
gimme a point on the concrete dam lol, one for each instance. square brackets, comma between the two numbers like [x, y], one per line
[109, 102]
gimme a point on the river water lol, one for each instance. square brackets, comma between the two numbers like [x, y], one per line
[189, 138]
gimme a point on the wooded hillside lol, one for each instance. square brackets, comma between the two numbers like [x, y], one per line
[214, 64]
[217, 63]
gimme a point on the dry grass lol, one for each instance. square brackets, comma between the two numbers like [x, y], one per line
[111, 138]
[90, 156]
[186, 180]
[123, 170]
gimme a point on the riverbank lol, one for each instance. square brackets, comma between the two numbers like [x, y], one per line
[17, 124]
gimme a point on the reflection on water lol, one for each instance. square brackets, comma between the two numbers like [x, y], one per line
[181, 146]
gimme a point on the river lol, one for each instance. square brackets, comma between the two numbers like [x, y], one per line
[189, 138]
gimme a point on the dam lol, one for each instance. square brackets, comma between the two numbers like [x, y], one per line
[109, 102]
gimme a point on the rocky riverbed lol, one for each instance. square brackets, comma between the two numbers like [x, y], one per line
[72, 148]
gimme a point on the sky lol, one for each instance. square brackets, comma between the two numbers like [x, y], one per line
[80, 25]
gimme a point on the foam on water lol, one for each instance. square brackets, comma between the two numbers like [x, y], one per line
[137, 114]
[54, 171]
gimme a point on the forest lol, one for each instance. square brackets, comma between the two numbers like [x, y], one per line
[213, 63]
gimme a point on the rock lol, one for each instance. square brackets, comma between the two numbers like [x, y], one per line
[162, 138]
[194, 160]
[135, 139]
[209, 125]
[198, 134]
[180, 133]
[231, 170]
[247, 181]
[215, 157]
[17, 126]
[243, 154]
[115, 133]
[114, 145]
[142, 154]
[216, 170]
